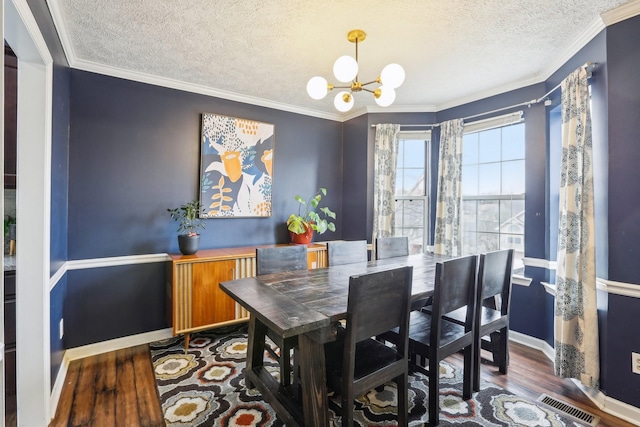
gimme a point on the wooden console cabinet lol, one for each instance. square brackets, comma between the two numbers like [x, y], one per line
[194, 298]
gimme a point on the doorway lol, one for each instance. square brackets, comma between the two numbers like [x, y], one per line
[33, 170]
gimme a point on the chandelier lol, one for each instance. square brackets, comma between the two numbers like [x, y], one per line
[345, 70]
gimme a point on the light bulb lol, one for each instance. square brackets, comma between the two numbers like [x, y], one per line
[345, 68]
[387, 96]
[343, 101]
[317, 87]
[392, 76]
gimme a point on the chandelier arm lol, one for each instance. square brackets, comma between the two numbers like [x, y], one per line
[368, 90]
[341, 87]
[371, 82]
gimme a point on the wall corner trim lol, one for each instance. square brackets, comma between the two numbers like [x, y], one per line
[549, 287]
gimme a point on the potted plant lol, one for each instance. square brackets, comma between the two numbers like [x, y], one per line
[308, 220]
[188, 218]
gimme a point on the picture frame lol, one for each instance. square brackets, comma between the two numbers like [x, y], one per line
[236, 167]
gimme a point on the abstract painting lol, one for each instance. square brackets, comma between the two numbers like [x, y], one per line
[236, 165]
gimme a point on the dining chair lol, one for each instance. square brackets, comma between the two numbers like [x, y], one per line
[347, 252]
[276, 260]
[492, 316]
[357, 363]
[433, 337]
[492, 310]
[390, 247]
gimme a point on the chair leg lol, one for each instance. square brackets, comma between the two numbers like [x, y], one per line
[503, 350]
[469, 373]
[402, 383]
[477, 343]
[347, 407]
[434, 391]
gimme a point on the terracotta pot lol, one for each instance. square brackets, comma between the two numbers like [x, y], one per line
[302, 239]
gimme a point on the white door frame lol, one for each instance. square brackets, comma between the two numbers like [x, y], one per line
[33, 211]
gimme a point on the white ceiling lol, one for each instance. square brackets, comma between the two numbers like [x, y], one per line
[264, 51]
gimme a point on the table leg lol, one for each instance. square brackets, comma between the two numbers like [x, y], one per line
[255, 346]
[313, 382]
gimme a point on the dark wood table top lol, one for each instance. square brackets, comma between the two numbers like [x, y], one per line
[297, 302]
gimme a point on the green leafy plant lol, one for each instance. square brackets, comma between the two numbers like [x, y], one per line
[188, 217]
[308, 216]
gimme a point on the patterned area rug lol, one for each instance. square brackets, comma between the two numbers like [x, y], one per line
[205, 387]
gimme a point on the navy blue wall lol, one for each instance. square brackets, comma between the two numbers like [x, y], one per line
[59, 206]
[134, 152]
[355, 183]
[623, 62]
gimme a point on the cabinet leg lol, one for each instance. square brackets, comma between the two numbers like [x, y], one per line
[187, 337]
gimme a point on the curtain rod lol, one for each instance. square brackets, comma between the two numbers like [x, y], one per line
[589, 65]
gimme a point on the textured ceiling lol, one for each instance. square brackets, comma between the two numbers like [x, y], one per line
[266, 50]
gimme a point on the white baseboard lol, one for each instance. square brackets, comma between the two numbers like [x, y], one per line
[117, 344]
[535, 343]
[57, 386]
[606, 404]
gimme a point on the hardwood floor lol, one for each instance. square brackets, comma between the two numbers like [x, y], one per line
[118, 388]
[111, 389]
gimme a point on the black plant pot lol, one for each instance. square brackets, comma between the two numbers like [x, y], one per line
[188, 244]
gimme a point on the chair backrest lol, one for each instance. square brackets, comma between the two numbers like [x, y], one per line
[494, 277]
[390, 247]
[281, 258]
[455, 287]
[377, 303]
[347, 252]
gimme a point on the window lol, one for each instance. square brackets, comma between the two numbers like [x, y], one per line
[493, 190]
[412, 186]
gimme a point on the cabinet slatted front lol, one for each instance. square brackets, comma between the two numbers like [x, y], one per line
[195, 300]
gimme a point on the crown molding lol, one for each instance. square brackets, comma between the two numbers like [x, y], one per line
[621, 13]
[196, 88]
[608, 18]
[478, 96]
[583, 39]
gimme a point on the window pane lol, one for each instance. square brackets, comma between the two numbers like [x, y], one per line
[489, 145]
[470, 180]
[413, 215]
[489, 179]
[512, 241]
[469, 243]
[513, 142]
[489, 216]
[470, 148]
[469, 215]
[487, 242]
[414, 154]
[513, 177]
[413, 182]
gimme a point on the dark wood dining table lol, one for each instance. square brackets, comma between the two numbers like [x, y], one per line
[309, 304]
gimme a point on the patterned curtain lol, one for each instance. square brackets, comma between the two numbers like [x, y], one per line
[384, 184]
[576, 316]
[447, 239]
